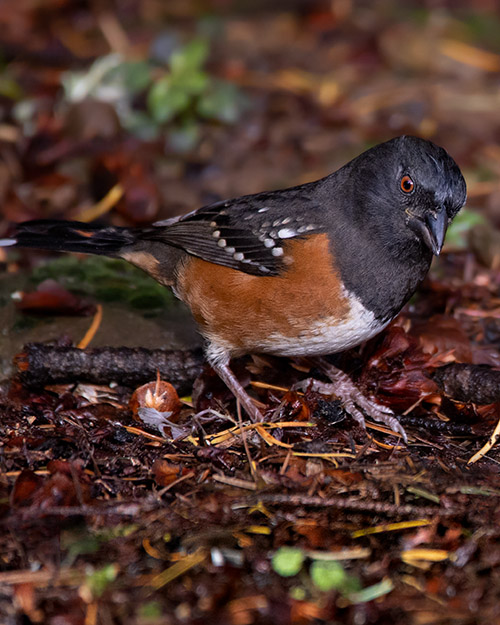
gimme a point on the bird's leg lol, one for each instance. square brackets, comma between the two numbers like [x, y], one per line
[340, 385]
[224, 372]
[353, 399]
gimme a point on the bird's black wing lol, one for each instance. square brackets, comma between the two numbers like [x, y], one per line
[246, 233]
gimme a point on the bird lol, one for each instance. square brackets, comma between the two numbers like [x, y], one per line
[306, 271]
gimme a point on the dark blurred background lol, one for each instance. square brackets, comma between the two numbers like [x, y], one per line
[136, 110]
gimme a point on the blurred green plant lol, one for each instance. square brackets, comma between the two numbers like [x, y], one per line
[329, 575]
[80, 540]
[150, 611]
[481, 27]
[98, 580]
[457, 237]
[9, 87]
[108, 280]
[325, 575]
[288, 561]
[151, 98]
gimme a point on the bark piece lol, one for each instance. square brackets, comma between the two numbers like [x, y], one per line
[479, 384]
[39, 364]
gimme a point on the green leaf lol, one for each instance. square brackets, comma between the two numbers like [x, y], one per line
[151, 610]
[372, 592]
[351, 584]
[457, 235]
[136, 75]
[298, 593]
[191, 57]
[79, 542]
[328, 575]
[222, 101]
[9, 88]
[288, 561]
[118, 531]
[146, 298]
[194, 82]
[166, 100]
[99, 579]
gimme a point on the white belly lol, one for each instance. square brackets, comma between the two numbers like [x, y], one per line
[327, 336]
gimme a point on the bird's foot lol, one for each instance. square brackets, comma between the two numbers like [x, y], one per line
[353, 399]
[341, 386]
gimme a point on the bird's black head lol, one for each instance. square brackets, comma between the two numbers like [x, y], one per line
[414, 185]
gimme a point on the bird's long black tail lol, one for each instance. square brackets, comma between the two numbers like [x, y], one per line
[71, 236]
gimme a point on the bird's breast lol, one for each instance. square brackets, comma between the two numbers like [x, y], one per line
[326, 335]
[304, 311]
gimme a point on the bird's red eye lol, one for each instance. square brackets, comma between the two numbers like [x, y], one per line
[407, 184]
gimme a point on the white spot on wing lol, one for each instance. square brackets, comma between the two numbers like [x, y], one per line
[286, 233]
[306, 228]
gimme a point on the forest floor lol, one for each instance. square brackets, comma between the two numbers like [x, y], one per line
[144, 110]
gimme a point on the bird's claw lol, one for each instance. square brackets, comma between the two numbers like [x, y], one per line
[353, 399]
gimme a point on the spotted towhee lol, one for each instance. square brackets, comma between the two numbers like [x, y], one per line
[306, 271]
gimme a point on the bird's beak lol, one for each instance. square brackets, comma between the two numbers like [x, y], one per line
[431, 228]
